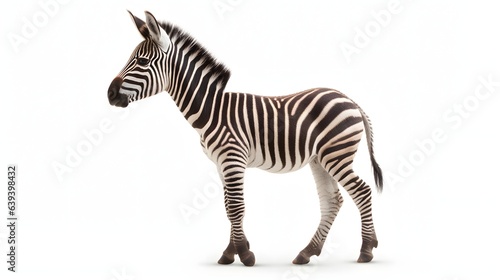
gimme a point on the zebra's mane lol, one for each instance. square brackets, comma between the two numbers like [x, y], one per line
[179, 36]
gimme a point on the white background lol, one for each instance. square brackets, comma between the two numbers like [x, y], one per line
[115, 212]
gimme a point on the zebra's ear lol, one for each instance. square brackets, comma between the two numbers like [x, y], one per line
[141, 26]
[157, 33]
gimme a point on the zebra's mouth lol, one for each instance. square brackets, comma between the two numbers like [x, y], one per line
[114, 96]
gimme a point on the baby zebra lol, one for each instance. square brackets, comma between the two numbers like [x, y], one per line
[321, 127]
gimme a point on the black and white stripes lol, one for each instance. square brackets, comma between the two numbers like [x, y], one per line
[321, 127]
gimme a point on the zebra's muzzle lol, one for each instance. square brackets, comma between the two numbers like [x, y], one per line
[115, 97]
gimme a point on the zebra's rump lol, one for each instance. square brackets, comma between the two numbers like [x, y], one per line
[284, 133]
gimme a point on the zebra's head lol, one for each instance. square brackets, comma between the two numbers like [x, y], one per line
[144, 74]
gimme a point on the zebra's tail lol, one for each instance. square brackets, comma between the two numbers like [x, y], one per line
[377, 171]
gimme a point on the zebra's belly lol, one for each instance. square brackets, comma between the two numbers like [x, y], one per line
[275, 164]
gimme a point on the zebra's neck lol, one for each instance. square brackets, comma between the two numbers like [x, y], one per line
[196, 79]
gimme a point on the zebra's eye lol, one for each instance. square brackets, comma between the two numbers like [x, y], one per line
[142, 61]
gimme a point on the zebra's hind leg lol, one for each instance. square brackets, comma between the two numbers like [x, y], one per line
[330, 203]
[361, 193]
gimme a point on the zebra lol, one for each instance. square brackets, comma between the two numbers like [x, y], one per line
[321, 127]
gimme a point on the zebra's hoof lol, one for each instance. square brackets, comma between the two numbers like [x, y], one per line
[366, 254]
[305, 255]
[248, 259]
[365, 257]
[301, 259]
[226, 259]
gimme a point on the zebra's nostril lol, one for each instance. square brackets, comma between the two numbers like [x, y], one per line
[114, 91]
[111, 94]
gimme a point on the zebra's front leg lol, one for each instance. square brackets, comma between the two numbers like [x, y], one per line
[232, 176]
[330, 203]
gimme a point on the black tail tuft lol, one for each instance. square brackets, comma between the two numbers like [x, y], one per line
[377, 174]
